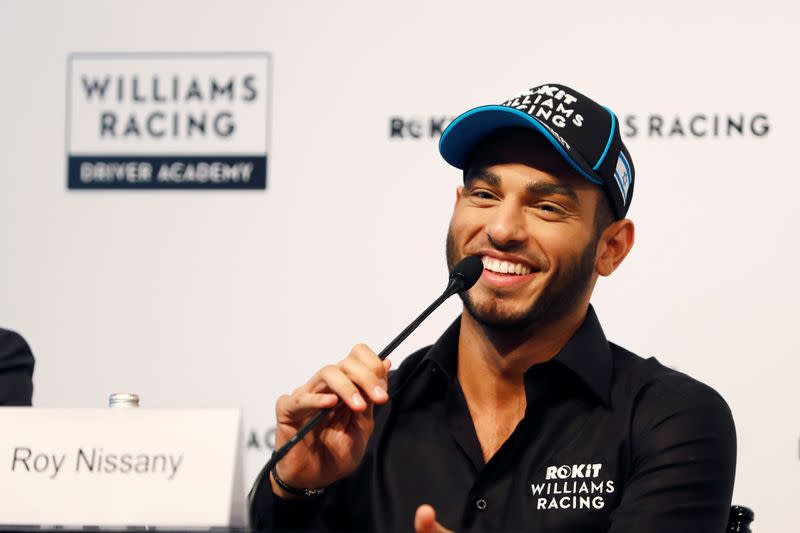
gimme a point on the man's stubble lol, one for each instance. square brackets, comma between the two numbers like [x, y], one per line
[557, 299]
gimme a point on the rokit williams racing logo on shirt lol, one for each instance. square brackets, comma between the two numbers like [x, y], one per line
[576, 486]
[168, 120]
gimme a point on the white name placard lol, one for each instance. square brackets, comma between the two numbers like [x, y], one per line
[121, 467]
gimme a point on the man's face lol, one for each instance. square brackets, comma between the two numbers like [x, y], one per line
[531, 220]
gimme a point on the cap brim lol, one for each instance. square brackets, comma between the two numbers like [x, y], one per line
[460, 137]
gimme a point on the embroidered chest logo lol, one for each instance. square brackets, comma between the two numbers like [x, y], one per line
[579, 486]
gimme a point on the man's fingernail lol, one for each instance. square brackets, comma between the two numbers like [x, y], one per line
[358, 400]
[380, 392]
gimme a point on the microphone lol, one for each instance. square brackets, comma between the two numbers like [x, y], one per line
[464, 275]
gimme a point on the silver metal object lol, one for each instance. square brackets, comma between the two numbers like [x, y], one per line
[123, 400]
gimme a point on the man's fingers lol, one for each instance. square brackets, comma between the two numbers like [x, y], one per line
[363, 354]
[425, 521]
[338, 382]
[359, 381]
[315, 401]
[300, 403]
[373, 384]
[367, 370]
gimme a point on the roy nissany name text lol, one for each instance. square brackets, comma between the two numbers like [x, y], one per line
[95, 461]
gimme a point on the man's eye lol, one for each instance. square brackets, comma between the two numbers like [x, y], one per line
[482, 194]
[549, 208]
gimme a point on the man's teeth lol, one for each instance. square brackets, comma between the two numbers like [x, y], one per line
[505, 267]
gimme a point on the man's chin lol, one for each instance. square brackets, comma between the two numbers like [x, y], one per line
[497, 318]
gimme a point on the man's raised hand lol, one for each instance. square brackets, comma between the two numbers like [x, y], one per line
[335, 447]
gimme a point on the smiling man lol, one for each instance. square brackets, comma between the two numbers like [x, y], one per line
[522, 416]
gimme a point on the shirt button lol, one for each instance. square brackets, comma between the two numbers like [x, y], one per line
[480, 504]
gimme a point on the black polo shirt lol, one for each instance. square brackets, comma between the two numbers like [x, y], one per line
[609, 442]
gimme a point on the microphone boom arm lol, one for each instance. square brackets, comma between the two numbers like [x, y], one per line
[461, 279]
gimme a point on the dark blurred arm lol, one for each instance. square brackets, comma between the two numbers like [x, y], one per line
[16, 369]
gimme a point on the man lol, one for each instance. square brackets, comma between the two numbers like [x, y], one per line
[16, 370]
[522, 416]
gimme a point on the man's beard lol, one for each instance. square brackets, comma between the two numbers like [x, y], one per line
[557, 299]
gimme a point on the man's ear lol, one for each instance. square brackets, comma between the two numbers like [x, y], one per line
[459, 190]
[614, 244]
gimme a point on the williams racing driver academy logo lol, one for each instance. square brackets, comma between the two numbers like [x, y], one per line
[573, 486]
[168, 121]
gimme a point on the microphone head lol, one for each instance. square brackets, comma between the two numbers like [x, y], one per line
[466, 273]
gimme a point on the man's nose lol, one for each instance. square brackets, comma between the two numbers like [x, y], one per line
[507, 228]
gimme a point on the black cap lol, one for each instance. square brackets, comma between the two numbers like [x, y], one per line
[585, 133]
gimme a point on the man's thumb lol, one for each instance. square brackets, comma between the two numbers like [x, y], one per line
[425, 521]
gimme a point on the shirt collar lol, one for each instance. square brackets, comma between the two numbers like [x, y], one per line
[444, 352]
[587, 355]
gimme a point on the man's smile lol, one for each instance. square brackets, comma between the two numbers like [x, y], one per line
[505, 267]
[505, 273]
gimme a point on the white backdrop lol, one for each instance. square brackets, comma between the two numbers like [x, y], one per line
[229, 298]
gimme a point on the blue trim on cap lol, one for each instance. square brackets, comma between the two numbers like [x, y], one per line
[528, 121]
[610, 137]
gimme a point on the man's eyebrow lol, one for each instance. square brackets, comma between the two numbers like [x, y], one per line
[539, 188]
[543, 188]
[484, 175]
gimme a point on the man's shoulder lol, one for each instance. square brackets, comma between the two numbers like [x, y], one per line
[655, 391]
[633, 372]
